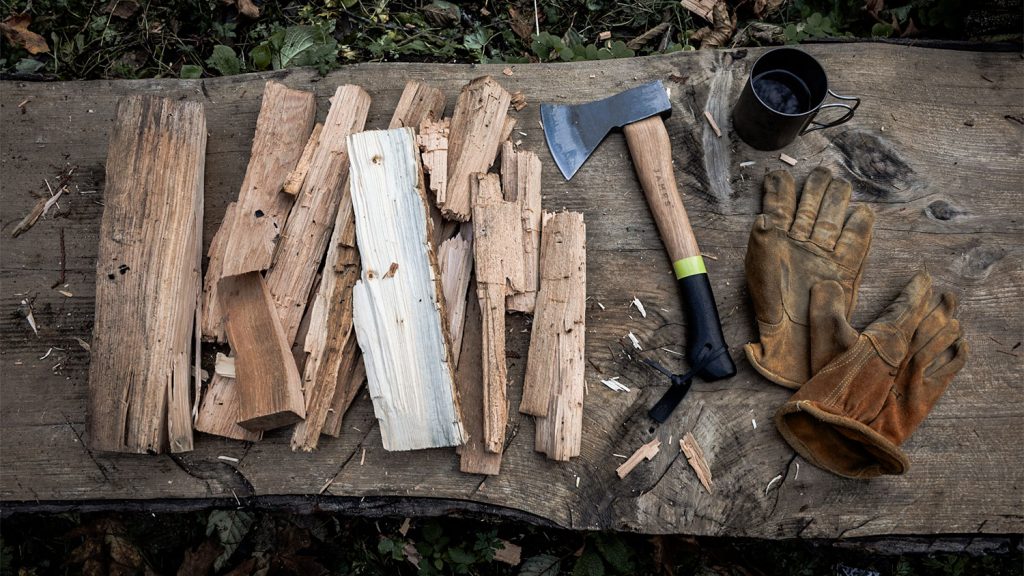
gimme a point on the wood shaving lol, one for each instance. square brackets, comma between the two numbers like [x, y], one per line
[228, 459]
[787, 159]
[26, 311]
[634, 340]
[639, 306]
[224, 366]
[601, 305]
[713, 124]
[518, 100]
[404, 528]
[85, 345]
[747, 163]
[695, 456]
[772, 483]
[614, 384]
[645, 452]
[65, 293]
[507, 71]
[753, 422]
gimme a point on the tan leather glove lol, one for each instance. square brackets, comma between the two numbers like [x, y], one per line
[791, 249]
[854, 414]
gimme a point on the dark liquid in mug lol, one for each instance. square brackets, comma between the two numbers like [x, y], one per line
[783, 91]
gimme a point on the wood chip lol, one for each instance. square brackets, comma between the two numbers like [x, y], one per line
[478, 127]
[507, 71]
[518, 100]
[218, 412]
[639, 306]
[772, 483]
[521, 183]
[498, 256]
[636, 341]
[788, 159]
[701, 8]
[695, 456]
[140, 375]
[225, 366]
[645, 452]
[712, 123]
[419, 102]
[399, 321]
[606, 35]
[249, 234]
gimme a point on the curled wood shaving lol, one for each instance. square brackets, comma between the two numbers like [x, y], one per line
[639, 306]
[636, 342]
[771, 483]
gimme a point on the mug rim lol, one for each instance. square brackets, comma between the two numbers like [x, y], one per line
[814, 109]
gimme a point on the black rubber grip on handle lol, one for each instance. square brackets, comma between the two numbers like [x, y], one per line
[704, 329]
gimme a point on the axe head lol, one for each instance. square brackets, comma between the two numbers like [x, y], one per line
[574, 131]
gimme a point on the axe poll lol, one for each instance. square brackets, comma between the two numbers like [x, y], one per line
[573, 132]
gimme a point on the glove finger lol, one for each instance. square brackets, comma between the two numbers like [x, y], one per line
[892, 331]
[831, 334]
[855, 239]
[937, 320]
[831, 214]
[943, 373]
[810, 199]
[779, 198]
[937, 351]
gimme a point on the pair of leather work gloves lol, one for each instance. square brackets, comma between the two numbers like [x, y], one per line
[859, 394]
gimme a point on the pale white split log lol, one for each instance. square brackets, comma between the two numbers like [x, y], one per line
[498, 258]
[479, 125]
[400, 320]
[520, 182]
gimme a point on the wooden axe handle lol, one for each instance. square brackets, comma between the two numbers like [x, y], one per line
[652, 156]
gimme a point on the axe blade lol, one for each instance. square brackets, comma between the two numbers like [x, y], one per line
[574, 131]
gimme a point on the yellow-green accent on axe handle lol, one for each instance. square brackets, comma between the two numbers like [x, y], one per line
[689, 267]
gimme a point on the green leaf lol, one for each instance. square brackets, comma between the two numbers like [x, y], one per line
[615, 552]
[619, 50]
[224, 60]
[231, 527]
[191, 71]
[297, 39]
[541, 565]
[566, 54]
[589, 564]
[460, 556]
[28, 66]
[262, 56]
[432, 532]
[881, 30]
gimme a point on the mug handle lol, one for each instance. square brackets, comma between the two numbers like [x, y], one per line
[815, 125]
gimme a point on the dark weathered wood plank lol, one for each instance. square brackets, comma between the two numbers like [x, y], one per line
[945, 183]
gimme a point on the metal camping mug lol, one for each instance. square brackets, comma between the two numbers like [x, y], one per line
[785, 91]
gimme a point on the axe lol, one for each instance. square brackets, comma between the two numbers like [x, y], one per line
[573, 132]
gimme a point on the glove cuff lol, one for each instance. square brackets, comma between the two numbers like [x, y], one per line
[838, 443]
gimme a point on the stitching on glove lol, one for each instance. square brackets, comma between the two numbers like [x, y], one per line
[767, 370]
[771, 328]
[851, 356]
[837, 393]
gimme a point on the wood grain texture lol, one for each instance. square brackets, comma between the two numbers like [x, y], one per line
[473, 456]
[498, 259]
[419, 102]
[269, 387]
[298, 175]
[455, 259]
[945, 194]
[247, 241]
[141, 375]
[520, 182]
[308, 229]
[555, 368]
[479, 125]
[398, 303]
[218, 412]
[651, 151]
